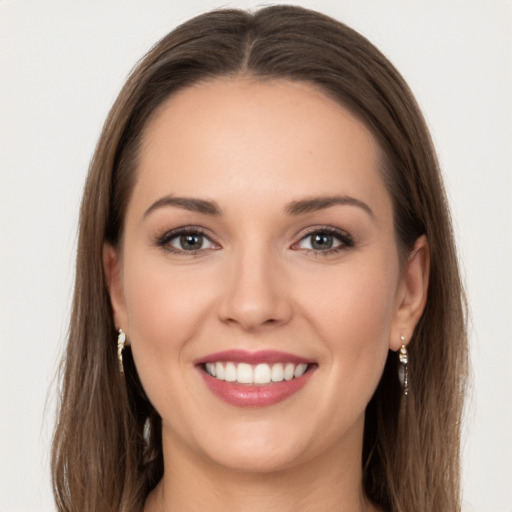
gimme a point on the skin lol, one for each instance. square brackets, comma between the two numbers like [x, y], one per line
[252, 148]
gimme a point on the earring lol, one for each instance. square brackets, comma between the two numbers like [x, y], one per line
[403, 357]
[121, 340]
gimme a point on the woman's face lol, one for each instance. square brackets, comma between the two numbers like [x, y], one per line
[258, 240]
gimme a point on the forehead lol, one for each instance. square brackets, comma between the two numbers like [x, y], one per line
[264, 137]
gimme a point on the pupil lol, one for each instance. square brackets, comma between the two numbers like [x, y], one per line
[322, 241]
[191, 242]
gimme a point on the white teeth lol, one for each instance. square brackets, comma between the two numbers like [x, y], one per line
[230, 372]
[262, 373]
[210, 368]
[289, 371]
[300, 369]
[219, 370]
[277, 372]
[244, 374]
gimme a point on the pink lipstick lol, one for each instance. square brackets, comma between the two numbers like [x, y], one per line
[254, 379]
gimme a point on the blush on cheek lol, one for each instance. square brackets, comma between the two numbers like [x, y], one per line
[165, 309]
[355, 323]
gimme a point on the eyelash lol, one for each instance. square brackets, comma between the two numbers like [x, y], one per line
[346, 240]
[165, 240]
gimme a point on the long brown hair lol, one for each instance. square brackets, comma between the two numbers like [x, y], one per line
[107, 452]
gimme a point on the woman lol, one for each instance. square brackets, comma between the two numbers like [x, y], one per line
[268, 310]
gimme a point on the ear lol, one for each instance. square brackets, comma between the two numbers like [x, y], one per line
[412, 293]
[112, 269]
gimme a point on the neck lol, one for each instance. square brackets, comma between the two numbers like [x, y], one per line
[332, 481]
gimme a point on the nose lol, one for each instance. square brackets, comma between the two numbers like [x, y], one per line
[255, 292]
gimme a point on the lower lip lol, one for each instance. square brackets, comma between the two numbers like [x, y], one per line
[244, 395]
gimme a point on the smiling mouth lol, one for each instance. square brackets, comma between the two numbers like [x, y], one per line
[255, 374]
[255, 379]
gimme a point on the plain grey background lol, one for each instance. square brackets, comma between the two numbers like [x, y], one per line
[61, 66]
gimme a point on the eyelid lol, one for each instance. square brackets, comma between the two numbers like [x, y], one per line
[344, 237]
[164, 240]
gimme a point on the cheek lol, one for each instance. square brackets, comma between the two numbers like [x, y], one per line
[353, 317]
[358, 298]
[162, 301]
[165, 311]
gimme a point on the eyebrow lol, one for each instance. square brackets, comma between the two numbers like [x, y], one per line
[314, 204]
[187, 203]
[298, 207]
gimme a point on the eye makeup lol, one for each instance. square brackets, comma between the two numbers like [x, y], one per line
[316, 241]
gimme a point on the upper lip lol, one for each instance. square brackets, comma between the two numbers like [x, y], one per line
[244, 356]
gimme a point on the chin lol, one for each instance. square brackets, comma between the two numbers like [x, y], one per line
[264, 446]
[263, 461]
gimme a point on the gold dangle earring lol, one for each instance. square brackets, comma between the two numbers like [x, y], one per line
[121, 341]
[403, 357]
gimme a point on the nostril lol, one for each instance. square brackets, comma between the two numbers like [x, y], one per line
[252, 322]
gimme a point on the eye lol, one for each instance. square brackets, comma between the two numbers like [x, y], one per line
[186, 241]
[325, 240]
[319, 242]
